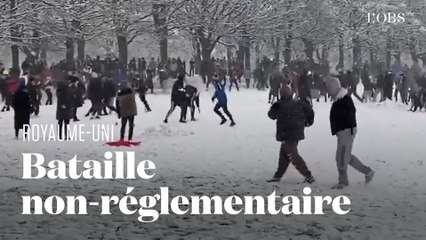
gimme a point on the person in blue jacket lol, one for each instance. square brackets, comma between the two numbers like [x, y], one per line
[222, 101]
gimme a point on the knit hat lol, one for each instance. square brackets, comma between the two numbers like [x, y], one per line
[286, 92]
[333, 85]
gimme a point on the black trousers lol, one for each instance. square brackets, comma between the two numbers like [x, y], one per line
[145, 102]
[224, 107]
[289, 154]
[184, 108]
[124, 121]
[234, 81]
[49, 98]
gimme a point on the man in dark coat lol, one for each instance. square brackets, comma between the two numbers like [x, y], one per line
[292, 116]
[109, 91]
[76, 89]
[343, 124]
[178, 99]
[22, 105]
[94, 93]
[64, 108]
[304, 89]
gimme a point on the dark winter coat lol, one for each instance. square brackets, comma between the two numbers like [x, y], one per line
[343, 113]
[178, 92]
[22, 106]
[109, 90]
[219, 93]
[94, 91]
[126, 103]
[292, 116]
[64, 106]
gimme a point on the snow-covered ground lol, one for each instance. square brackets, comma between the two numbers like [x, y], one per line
[205, 158]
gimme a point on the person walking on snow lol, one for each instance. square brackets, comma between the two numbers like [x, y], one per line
[64, 108]
[22, 105]
[222, 101]
[178, 99]
[343, 125]
[292, 116]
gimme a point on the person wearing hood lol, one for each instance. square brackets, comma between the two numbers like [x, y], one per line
[64, 108]
[292, 116]
[22, 105]
[344, 126]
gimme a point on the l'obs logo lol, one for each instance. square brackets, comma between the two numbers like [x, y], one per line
[387, 17]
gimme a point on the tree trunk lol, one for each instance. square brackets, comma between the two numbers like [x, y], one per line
[309, 50]
[240, 54]
[277, 45]
[257, 49]
[398, 58]
[164, 49]
[341, 64]
[229, 57]
[248, 58]
[122, 50]
[81, 47]
[69, 55]
[197, 56]
[206, 52]
[160, 21]
[413, 51]
[287, 51]
[423, 58]
[388, 53]
[14, 37]
[356, 52]
[43, 49]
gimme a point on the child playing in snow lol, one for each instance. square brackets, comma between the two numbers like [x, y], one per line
[343, 124]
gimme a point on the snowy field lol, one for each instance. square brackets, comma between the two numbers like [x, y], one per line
[205, 158]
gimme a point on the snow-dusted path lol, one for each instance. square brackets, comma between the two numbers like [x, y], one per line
[205, 158]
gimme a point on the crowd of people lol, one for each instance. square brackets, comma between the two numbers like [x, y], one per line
[292, 90]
